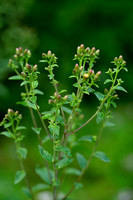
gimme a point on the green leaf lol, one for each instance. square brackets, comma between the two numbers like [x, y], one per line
[44, 174]
[31, 105]
[107, 81]
[22, 152]
[89, 90]
[40, 186]
[60, 120]
[73, 171]
[35, 84]
[46, 155]
[46, 138]
[19, 176]
[7, 125]
[89, 138]
[62, 91]
[109, 124]
[78, 185]
[27, 192]
[76, 85]
[114, 104]
[120, 88]
[99, 95]
[63, 149]
[43, 61]
[24, 83]
[102, 156]
[7, 134]
[81, 160]
[36, 91]
[36, 130]
[20, 128]
[67, 110]
[63, 163]
[54, 129]
[15, 78]
[100, 117]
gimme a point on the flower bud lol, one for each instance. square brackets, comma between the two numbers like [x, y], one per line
[81, 68]
[50, 101]
[43, 55]
[85, 76]
[65, 97]
[10, 111]
[20, 49]
[25, 51]
[105, 91]
[6, 116]
[124, 63]
[76, 66]
[93, 49]
[87, 49]
[49, 54]
[59, 96]
[120, 58]
[17, 50]
[16, 113]
[35, 68]
[29, 53]
[82, 47]
[23, 74]
[10, 62]
[20, 116]
[15, 56]
[115, 96]
[97, 52]
[115, 59]
[74, 71]
[28, 67]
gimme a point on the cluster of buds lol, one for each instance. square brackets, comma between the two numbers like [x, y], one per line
[77, 69]
[87, 52]
[28, 69]
[57, 98]
[119, 61]
[11, 116]
[87, 75]
[49, 57]
[20, 53]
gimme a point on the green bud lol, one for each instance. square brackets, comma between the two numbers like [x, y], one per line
[35, 68]
[10, 112]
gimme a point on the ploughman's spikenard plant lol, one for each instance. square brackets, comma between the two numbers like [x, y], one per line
[63, 119]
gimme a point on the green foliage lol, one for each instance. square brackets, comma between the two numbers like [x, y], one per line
[63, 117]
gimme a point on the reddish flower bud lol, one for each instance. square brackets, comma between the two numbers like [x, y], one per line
[35, 68]
[93, 49]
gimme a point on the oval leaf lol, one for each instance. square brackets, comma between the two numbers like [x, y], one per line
[81, 160]
[19, 176]
[89, 138]
[102, 156]
[7, 134]
[46, 155]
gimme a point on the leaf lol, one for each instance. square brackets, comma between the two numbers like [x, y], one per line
[76, 85]
[63, 149]
[35, 84]
[54, 129]
[89, 90]
[46, 138]
[40, 186]
[31, 105]
[62, 91]
[20, 128]
[43, 61]
[36, 91]
[78, 185]
[73, 171]
[27, 192]
[102, 156]
[99, 95]
[19, 176]
[109, 124]
[36, 130]
[63, 163]
[67, 110]
[7, 125]
[107, 81]
[120, 88]
[81, 161]
[22, 152]
[46, 155]
[100, 117]
[60, 120]
[7, 134]
[15, 78]
[24, 83]
[89, 138]
[44, 175]
[114, 104]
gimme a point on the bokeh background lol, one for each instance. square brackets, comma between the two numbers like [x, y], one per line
[60, 26]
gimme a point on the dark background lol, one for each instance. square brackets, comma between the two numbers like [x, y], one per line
[60, 26]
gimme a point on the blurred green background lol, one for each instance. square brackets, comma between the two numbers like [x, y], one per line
[60, 26]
